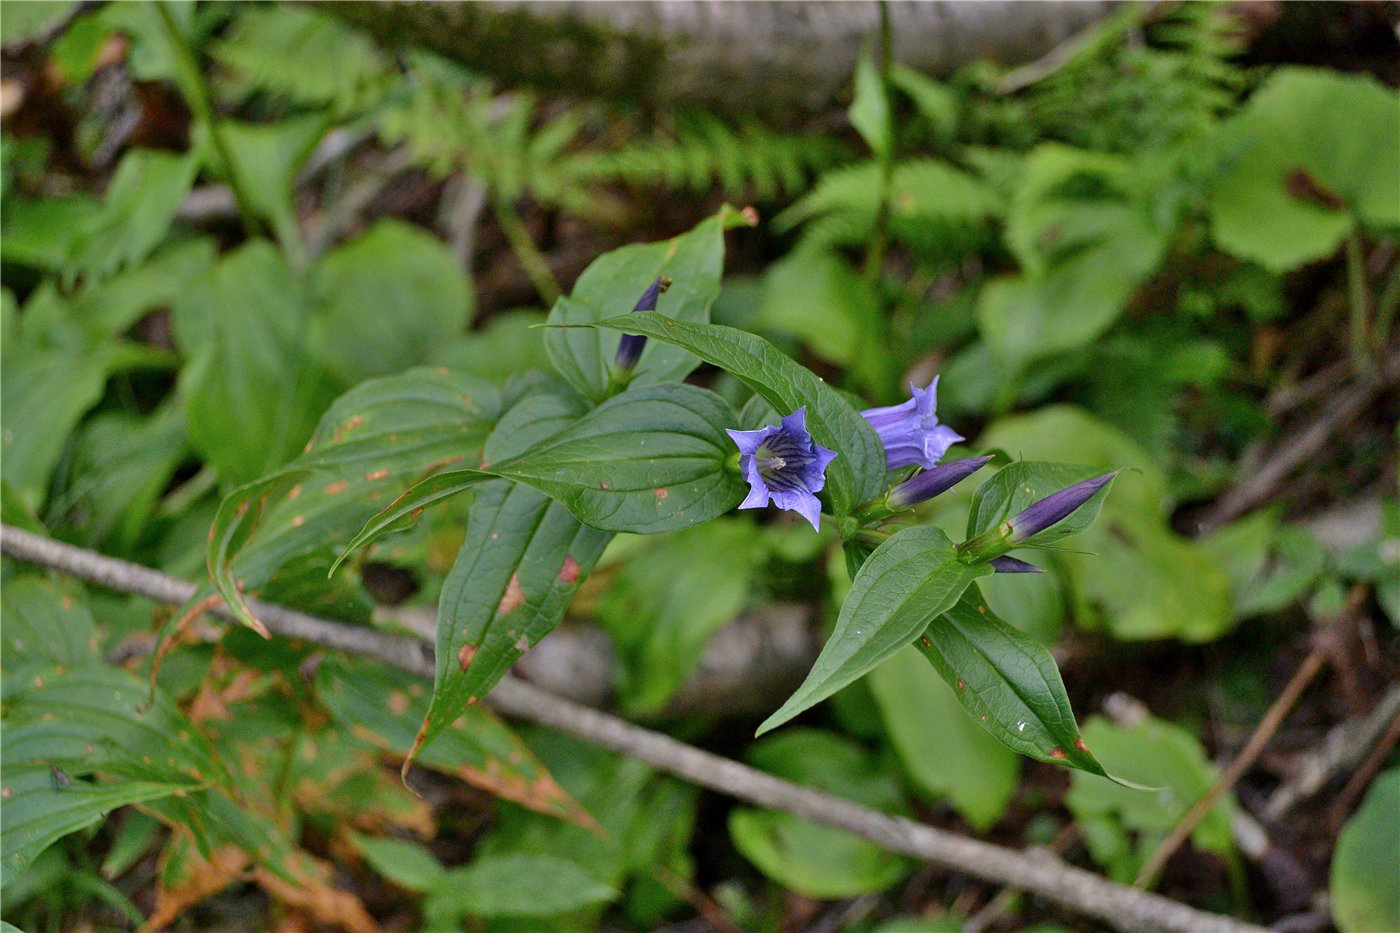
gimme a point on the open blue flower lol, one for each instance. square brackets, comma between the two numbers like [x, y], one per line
[781, 462]
[910, 431]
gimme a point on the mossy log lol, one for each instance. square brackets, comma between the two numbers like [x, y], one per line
[758, 56]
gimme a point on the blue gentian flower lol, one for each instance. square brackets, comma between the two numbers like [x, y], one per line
[1054, 508]
[781, 462]
[933, 482]
[910, 431]
[629, 348]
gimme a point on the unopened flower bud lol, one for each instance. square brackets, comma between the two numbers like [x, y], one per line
[1055, 508]
[629, 348]
[1006, 564]
[932, 482]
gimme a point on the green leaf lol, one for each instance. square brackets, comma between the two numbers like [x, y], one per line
[1366, 863]
[405, 863]
[404, 511]
[136, 213]
[375, 441]
[1007, 682]
[103, 718]
[818, 861]
[523, 885]
[46, 393]
[942, 750]
[1270, 565]
[388, 300]
[611, 285]
[1319, 154]
[38, 813]
[45, 623]
[649, 460]
[26, 21]
[869, 112]
[670, 597]
[854, 477]
[908, 581]
[269, 156]
[1122, 826]
[1018, 485]
[1130, 579]
[251, 394]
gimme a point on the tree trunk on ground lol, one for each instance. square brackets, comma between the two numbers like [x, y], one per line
[763, 55]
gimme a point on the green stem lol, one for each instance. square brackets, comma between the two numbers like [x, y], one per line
[879, 240]
[196, 91]
[1361, 357]
[1385, 309]
[531, 259]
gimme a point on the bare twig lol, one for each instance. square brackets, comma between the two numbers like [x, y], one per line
[1358, 781]
[1309, 669]
[1036, 872]
[1342, 748]
[1346, 405]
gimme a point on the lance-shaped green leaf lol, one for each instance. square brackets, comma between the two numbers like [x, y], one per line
[908, 581]
[523, 559]
[372, 443]
[385, 706]
[647, 461]
[39, 810]
[855, 476]
[610, 286]
[1007, 682]
[1021, 484]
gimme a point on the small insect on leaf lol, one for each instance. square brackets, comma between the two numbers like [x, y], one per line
[59, 778]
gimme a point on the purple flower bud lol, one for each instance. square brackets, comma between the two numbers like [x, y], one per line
[629, 348]
[933, 482]
[910, 432]
[1054, 508]
[783, 463]
[1006, 564]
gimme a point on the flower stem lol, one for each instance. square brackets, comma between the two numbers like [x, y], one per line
[201, 102]
[531, 259]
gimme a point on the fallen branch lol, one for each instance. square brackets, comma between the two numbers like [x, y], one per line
[1036, 872]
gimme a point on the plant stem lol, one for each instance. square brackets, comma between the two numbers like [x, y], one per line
[1361, 356]
[201, 102]
[533, 262]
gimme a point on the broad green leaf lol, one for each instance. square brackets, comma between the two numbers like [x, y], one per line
[1270, 565]
[1018, 485]
[854, 477]
[611, 286]
[46, 393]
[1007, 682]
[1319, 154]
[385, 707]
[869, 112]
[374, 442]
[908, 581]
[37, 812]
[1366, 863]
[26, 21]
[405, 863]
[111, 308]
[268, 156]
[45, 623]
[818, 861]
[670, 597]
[1122, 826]
[943, 751]
[521, 885]
[387, 300]
[650, 460]
[103, 718]
[1129, 576]
[40, 232]
[524, 557]
[119, 466]
[136, 213]
[507, 345]
[251, 394]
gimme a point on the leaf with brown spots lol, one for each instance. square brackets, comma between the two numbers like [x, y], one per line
[1008, 682]
[478, 748]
